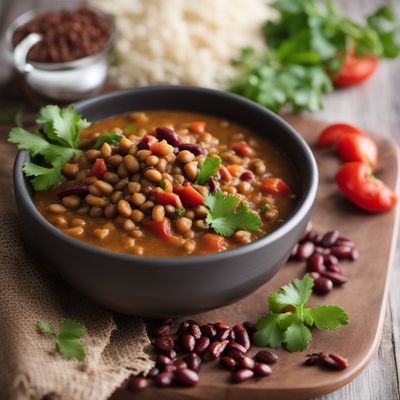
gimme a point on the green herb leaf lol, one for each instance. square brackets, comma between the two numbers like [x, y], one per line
[297, 337]
[163, 184]
[208, 169]
[296, 293]
[130, 128]
[45, 327]
[179, 212]
[226, 213]
[264, 208]
[329, 317]
[269, 332]
[107, 137]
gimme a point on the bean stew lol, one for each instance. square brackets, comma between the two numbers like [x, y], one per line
[170, 183]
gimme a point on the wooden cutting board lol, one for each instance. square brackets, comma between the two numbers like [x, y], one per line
[363, 296]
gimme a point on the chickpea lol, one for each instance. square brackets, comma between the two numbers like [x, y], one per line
[82, 174]
[146, 205]
[138, 250]
[116, 196]
[104, 187]
[105, 150]
[189, 246]
[169, 209]
[200, 224]
[164, 149]
[190, 214]
[183, 224]
[111, 178]
[158, 213]
[83, 163]
[137, 216]
[121, 184]
[191, 170]
[70, 170]
[72, 201]
[129, 242]
[56, 208]
[83, 210]
[185, 156]
[90, 180]
[122, 171]
[124, 145]
[92, 154]
[153, 175]
[152, 160]
[75, 231]
[244, 187]
[124, 208]
[78, 222]
[143, 154]
[60, 221]
[96, 201]
[162, 165]
[136, 233]
[115, 160]
[138, 199]
[131, 163]
[242, 237]
[110, 211]
[200, 212]
[101, 233]
[96, 212]
[138, 117]
[128, 225]
[134, 187]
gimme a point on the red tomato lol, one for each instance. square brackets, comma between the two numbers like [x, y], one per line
[163, 230]
[213, 242]
[352, 147]
[355, 70]
[165, 198]
[189, 196]
[275, 186]
[198, 126]
[357, 183]
[99, 168]
[243, 149]
[332, 133]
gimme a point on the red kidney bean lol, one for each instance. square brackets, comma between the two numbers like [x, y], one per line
[162, 361]
[164, 379]
[261, 369]
[221, 325]
[304, 250]
[170, 368]
[293, 254]
[321, 250]
[193, 148]
[341, 252]
[306, 232]
[201, 345]
[217, 348]
[315, 275]
[236, 346]
[266, 357]
[79, 189]
[162, 330]
[330, 259]
[171, 354]
[209, 330]
[337, 279]
[330, 238]
[153, 373]
[188, 342]
[213, 185]
[183, 327]
[315, 237]
[179, 364]
[329, 362]
[235, 354]
[194, 329]
[167, 321]
[164, 344]
[137, 383]
[322, 286]
[247, 176]
[335, 268]
[315, 263]
[186, 377]
[354, 255]
[250, 328]
[242, 375]
[312, 359]
[344, 241]
[242, 337]
[169, 135]
[146, 142]
[247, 362]
[340, 361]
[232, 336]
[223, 334]
[228, 362]
[193, 361]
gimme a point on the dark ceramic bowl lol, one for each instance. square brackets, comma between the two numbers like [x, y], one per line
[158, 286]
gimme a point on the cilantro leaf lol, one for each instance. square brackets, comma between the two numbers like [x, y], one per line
[43, 177]
[130, 128]
[268, 332]
[329, 317]
[296, 293]
[108, 137]
[208, 169]
[179, 212]
[297, 337]
[226, 213]
[67, 338]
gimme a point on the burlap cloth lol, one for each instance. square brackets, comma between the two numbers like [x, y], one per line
[30, 368]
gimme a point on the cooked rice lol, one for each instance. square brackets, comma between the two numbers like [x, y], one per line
[182, 41]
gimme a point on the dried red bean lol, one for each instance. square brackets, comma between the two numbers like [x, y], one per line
[322, 286]
[162, 361]
[223, 334]
[341, 252]
[194, 329]
[322, 250]
[188, 342]
[341, 362]
[169, 135]
[79, 189]
[167, 321]
[330, 238]
[250, 328]
[315, 237]
[171, 354]
[213, 185]
[266, 357]
[312, 359]
[209, 330]
[344, 241]
[306, 232]
[193, 361]
[329, 362]
[232, 336]
[164, 344]
[162, 330]
[247, 176]
[337, 279]
[170, 368]
[304, 250]
[242, 375]
[236, 346]
[315, 275]
[164, 379]
[335, 268]
[235, 354]
[153, 373]
[221, 325]
[183, 327]
[228, 362]
[247, 362]
[201, 345]
[261, 369]
[179, 364]
[330, 259]
[186, 377]
[137, 383]
[146, 142]
[193, 148]
[315, 263]
[217, 348]
[242, 337]
[354, 255]
[293, 254]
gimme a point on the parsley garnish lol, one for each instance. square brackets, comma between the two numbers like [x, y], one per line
[208, 169]
[226, 214]
[56, 143]
[108, 137]
[163, 184]
[179, 212]
[130, 128]
[67, 338]
[288, 321]
[264, 208]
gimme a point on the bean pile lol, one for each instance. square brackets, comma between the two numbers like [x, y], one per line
[322, 253]
[198, 344]
[331, 361]
[67, 35]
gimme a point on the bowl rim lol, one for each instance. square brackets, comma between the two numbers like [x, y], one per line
[304, 205]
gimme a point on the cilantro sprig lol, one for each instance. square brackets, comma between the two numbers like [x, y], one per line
[107, 137]
[208, 169]
[226, 214]
[52, 146]
[67, 337]
[289, 320]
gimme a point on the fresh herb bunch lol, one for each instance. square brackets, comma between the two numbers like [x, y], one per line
[67, 337]
[51, 146]
[289, 320]
[307, 45]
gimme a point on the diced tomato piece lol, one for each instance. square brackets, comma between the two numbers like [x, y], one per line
[243, 149]
[332, 133]
[213, 242]
[275, 186]
[164, 198]
[161, 148]
[189, 196]
[225, 174]
[235, 170]
[99, 168]
[198, 127]
[162, 229]
[146, 142]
